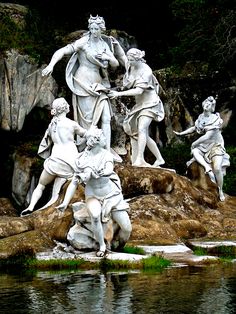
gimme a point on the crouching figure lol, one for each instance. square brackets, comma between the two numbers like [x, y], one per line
[104, 200]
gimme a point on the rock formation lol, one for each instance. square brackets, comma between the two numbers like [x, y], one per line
[165, 208]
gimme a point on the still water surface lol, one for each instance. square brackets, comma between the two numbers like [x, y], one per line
[210, 289]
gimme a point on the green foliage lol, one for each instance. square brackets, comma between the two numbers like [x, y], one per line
[156, 263]
[199, 251]
[26, 260]
[54, 264]
[176, 157]
[19, 260]
[34, 39]
[10, 33]
[206, 31]
[224, 252]
[106, 265]
[230, 177]
[133, 250]
[152, 263]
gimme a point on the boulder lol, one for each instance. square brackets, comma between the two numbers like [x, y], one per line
[165, 208]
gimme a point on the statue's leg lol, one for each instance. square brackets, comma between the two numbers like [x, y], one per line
[143, 128]
[121, 217]
[134, 149]
[151, 144]
[58, 183]
[94, 210]
[44, 180]
[34, 199]
[106, 124]
[200, 159]
[217, 169]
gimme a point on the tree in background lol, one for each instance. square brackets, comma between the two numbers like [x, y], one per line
[207, 31]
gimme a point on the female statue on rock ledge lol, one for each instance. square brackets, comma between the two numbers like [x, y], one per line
[140, 82]
[208, 150]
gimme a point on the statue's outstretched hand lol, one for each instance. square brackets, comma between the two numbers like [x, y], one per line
[47, 71]
[113, 94]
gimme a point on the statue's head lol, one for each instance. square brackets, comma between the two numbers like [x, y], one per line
[95, 136]
[59, 105]
[136, 54]
[211, 100]
[97, 20]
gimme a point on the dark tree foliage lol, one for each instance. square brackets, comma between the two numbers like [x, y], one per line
[207, 31]
[171, 32]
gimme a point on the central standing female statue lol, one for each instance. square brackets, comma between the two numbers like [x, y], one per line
[86, 75]
[140, 82]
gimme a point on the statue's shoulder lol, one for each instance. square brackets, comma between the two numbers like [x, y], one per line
[79, 43]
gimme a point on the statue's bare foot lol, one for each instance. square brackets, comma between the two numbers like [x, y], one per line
[26, 212]
[102, 253]
[141, 164]
[61, 207]
[221, 195]
[159, 162]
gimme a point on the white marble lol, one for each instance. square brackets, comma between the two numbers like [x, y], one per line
[87, 74]
[211, 244]
[140, 82]
[208, 150]
[104, 203]
[59, 150]
[175, 248]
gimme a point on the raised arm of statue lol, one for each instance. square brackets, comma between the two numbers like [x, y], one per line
[186, 132]
[87, 75]
[57, 56]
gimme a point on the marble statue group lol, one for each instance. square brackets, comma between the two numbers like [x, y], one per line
[80, 150]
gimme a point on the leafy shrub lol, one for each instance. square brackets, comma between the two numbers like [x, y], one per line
[176, 157]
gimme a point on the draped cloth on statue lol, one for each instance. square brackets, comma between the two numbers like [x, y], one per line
[89, 78]
[112, 199]
[153, 109]
[96, 93]
[215, 146]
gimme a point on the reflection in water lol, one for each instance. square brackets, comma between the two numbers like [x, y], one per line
[199, 290]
